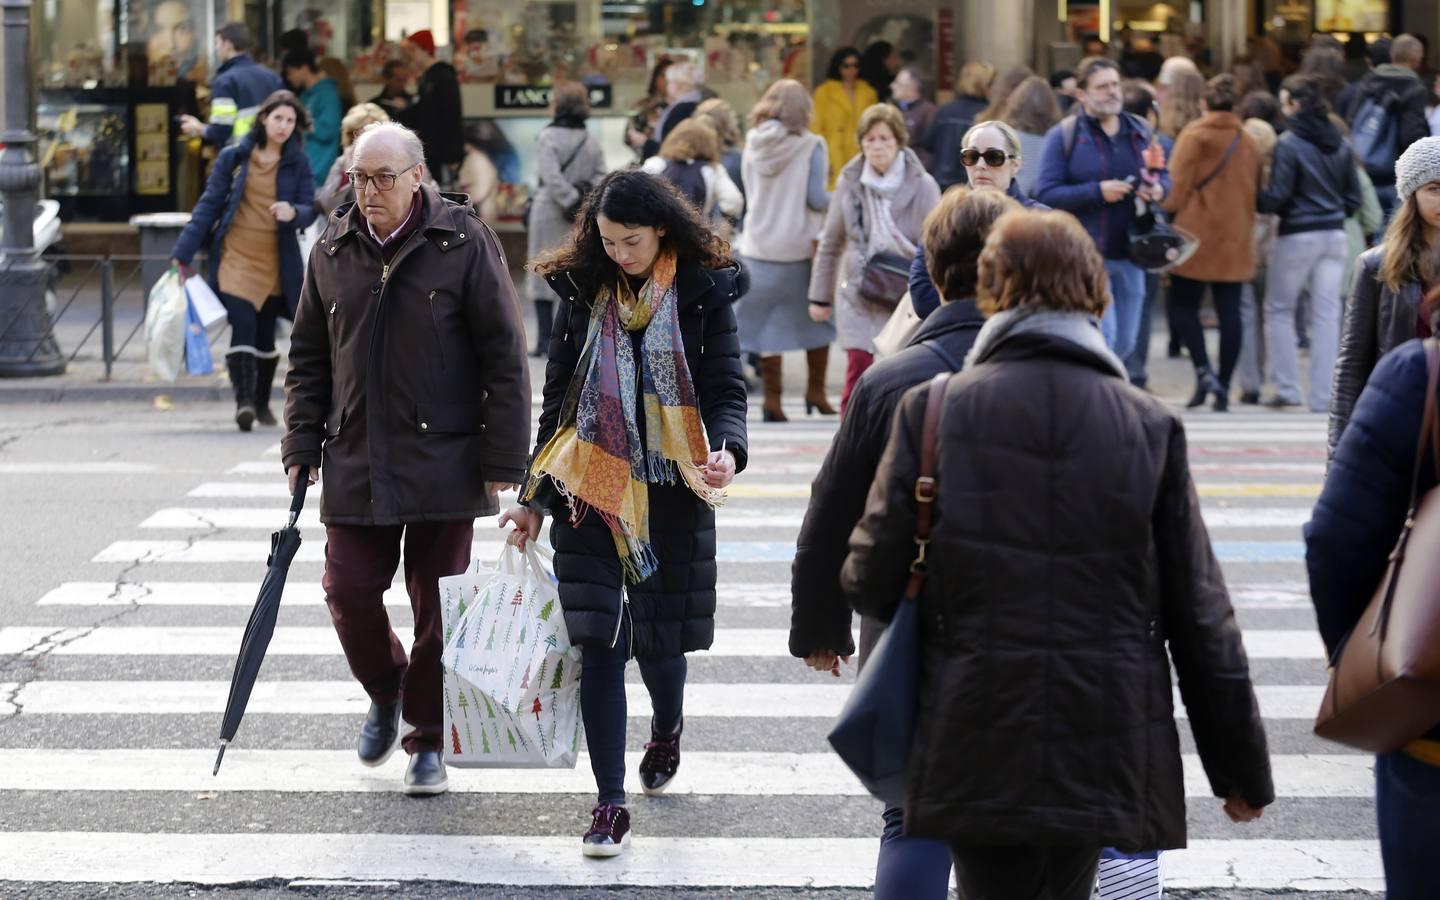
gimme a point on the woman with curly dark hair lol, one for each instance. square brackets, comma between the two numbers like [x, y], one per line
[642, 429]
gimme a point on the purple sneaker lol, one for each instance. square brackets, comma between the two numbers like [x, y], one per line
[608, 831]
[661, 761]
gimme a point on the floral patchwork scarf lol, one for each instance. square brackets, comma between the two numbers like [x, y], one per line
[597, 457]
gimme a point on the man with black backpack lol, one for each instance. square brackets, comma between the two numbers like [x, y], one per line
[1093, 165]
[1387, 114]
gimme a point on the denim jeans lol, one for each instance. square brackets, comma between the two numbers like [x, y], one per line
[1251, 368]
[1313, 260]
[1407, 803]
[1137, 364]
[1121, 323]
[910, 868]
[603, 708]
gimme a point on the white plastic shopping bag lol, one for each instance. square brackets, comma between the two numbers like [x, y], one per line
[208, 307]
[512, 679]
[165, 314]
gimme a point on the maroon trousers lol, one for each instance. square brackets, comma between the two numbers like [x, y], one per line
[856, 362]
[360, 562]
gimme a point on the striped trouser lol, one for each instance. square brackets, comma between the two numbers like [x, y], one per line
[1130, 876]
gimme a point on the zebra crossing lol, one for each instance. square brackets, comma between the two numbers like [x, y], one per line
[121, 716]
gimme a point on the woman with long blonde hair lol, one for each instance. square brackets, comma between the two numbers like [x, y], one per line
[1394, 298]
[1181, 104]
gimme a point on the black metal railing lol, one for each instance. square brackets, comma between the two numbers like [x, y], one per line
[122, 286]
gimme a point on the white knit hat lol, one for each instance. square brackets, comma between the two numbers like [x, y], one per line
[1417, 167]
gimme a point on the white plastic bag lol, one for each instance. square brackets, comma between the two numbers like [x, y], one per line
[208, 307]
[899, 329]
[165, 326]
[308, 237]
[512, 679]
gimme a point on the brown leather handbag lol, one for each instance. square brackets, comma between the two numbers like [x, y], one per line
[1385, 683]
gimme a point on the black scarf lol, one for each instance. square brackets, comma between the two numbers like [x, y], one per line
[568, 122]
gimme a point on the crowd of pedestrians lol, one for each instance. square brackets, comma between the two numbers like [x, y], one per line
[991, 242]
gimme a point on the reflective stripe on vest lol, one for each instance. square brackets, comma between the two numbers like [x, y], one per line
[244, 121]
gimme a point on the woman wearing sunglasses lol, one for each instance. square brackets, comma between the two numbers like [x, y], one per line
[990, 153]
[839, 100]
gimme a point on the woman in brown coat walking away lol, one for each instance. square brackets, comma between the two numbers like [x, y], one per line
[1215, 175]
[1068, 550]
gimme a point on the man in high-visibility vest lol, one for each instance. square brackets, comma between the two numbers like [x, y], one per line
[240, 87]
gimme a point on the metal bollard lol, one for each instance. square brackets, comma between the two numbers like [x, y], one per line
[107, 314]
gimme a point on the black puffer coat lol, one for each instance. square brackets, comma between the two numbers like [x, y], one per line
[1068, 550]
[673, 611]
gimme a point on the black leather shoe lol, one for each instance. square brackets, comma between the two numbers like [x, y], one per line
[425, 776]
[380, 734]
[1250, 398]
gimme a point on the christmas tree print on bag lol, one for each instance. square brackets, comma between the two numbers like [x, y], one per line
[512, 679]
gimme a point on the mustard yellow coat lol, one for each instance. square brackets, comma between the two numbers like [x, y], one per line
[837, 117]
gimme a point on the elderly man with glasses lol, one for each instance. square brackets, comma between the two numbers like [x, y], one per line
[408, 388]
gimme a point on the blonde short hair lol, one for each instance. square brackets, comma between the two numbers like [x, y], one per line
[357, 118]
[693, 139]
[722, 118]
[883, 114]
[975, 79]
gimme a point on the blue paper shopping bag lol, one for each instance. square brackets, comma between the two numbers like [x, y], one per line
[197, 343]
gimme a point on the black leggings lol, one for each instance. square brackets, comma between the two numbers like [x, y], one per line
[252, 331]
[1186, 295]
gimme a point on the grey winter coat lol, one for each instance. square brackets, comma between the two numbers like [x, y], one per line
[840, 261]
[549, 226]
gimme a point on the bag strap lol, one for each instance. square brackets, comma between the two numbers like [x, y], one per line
[925, 492]
[1429, 432]
[1224, 160]
[573, 155]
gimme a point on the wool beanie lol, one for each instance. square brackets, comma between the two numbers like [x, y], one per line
[1417, 167]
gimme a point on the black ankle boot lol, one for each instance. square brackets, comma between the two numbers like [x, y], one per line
[1205, 384]
[264, 378]
[242, 377]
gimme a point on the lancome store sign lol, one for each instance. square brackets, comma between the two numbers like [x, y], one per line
[520, 96]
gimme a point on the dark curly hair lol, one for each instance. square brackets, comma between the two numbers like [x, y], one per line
[639, 200]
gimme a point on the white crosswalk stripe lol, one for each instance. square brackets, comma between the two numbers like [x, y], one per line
[68, 856]
[711, 700]
[321, 641]
[745, 774]
[1257, 475]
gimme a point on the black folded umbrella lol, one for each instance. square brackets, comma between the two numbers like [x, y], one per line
[261, 627]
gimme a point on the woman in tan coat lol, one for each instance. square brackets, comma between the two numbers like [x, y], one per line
[1215, 172]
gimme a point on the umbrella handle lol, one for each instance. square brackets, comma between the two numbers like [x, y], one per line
[219, 757]
[297, 503]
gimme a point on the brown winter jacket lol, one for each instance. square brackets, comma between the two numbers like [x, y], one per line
[411, 392]
[1222, 214]
[1067, 552]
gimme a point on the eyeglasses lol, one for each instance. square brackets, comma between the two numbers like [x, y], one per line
[970, 157]
[383, 181]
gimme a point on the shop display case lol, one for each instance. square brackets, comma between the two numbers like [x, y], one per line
[109, 153]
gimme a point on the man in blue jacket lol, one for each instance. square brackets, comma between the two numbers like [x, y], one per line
[1093, 166]
[240, 87]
